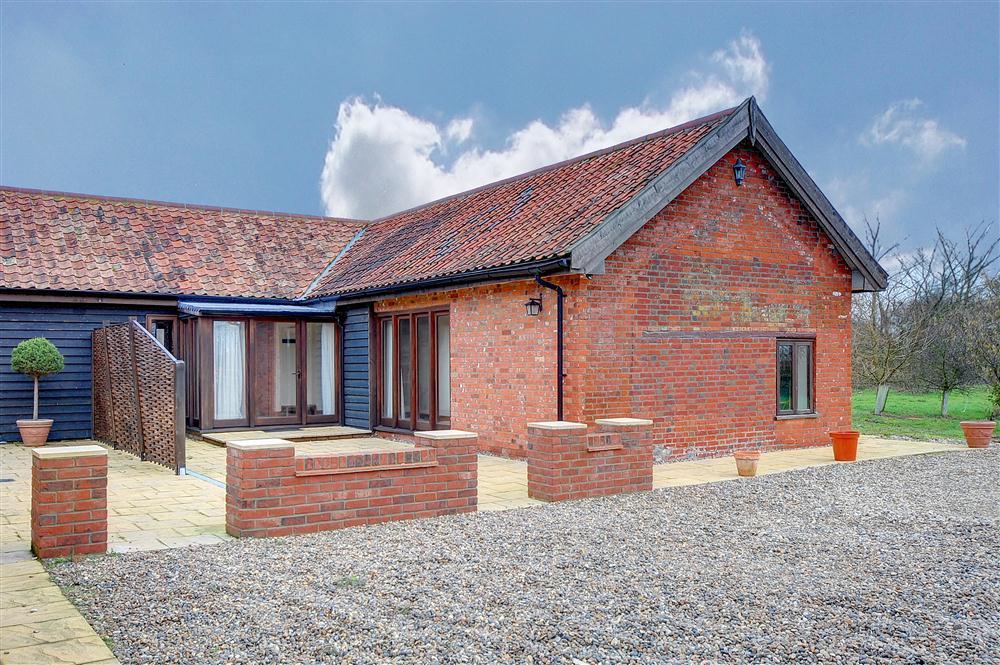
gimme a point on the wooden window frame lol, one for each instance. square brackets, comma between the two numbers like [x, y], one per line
[338, 370]
[209, 366]
[153, 319]
[413, 423]
[207, 361]
[795, 342]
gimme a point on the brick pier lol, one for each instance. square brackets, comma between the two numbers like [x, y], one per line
[565, 461]
[69, 501]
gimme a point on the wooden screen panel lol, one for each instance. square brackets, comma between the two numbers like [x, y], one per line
[155, 377]
[125, 430]
[139, 396]
[101, 385]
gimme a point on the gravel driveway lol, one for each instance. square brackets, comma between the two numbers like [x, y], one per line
[884, 560]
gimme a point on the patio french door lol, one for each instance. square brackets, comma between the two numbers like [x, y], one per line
[277, 370]
[295, 368]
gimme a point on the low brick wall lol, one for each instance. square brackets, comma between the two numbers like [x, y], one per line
[565, 461]
[69, 501]
[272, 492]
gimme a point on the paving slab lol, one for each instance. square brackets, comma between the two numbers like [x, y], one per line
[696, 472]
[291, 434]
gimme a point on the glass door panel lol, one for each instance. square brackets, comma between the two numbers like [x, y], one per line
[405, 370]
[229, 351]
[321, 371]
[443, 355]
[387, 362]
[424, 371]
[276, 372]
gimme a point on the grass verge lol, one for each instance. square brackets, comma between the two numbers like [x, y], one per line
[918, 415]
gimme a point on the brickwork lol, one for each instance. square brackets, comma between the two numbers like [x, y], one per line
[69, 505]
[503, 372]
[681, 327]
[567, 462]
[271, 492]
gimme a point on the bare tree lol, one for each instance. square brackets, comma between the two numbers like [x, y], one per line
[915, 327]
[982, 331]
[886, 336]
[947, 285]
[944, 364]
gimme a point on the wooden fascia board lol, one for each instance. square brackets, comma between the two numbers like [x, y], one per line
[588, 253]
[806, 189]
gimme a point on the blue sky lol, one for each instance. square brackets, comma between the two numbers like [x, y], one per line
[357, 110]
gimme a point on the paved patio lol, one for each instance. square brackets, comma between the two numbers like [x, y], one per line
[713, 470]
[38, 625]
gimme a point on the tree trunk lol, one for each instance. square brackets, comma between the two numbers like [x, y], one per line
[34, 412]
[880, 396]
[944, 403]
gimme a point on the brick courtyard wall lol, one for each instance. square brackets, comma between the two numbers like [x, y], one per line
[69, 501]
[682, 326]
[566, 461]
[271, 492]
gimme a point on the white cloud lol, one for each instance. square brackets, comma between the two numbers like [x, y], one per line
[459, 130]
[902, 124]
[383, 159]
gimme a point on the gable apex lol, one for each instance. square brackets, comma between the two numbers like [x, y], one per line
[746, 123]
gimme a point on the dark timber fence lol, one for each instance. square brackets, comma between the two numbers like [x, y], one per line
[138, 395]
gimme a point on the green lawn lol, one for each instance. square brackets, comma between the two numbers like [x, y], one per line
[917, 414]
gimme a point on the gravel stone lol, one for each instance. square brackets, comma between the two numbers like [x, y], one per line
[887, 560]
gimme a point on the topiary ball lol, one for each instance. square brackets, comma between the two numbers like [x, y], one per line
[36, 357]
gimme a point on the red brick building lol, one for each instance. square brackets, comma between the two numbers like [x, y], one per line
[697, 277]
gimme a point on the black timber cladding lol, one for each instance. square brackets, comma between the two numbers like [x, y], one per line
[357, 386]
[65, 397]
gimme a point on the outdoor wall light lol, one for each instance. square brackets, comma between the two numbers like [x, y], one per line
[533, 307]
[739, 172]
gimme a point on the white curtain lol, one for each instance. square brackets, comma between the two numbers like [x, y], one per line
[328, 362]
[230, 370]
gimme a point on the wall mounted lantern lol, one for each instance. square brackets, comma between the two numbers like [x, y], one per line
[739, 172]
[533, 307]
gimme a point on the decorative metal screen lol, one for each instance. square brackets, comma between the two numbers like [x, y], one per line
[138, 395]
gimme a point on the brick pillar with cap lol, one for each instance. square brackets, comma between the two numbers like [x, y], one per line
[566, 462]
[69, 500]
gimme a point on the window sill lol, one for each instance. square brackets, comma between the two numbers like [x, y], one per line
[796, 416]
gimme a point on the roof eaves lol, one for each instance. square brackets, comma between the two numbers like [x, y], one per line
[545, 265]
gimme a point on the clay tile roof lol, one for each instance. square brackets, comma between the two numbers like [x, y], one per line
[530, 217]
[62, 241]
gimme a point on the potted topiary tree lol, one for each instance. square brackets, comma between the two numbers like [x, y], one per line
[36, 357]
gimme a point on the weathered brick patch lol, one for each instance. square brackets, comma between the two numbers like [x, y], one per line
[566, 462]
[69, 501]
[271, 492]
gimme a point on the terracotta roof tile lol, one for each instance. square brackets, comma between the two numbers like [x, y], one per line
[534, 216]
[86, 243]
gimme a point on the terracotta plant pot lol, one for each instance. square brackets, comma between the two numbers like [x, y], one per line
[34, 432]
[845, 445]
[746, 462]
[978, 433]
